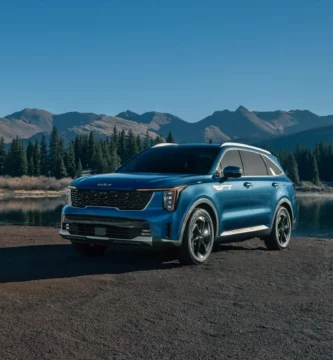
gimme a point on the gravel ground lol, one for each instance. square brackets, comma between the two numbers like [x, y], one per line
[244, 303]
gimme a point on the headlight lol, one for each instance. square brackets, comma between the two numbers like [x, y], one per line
[68, 195]
[170, 198]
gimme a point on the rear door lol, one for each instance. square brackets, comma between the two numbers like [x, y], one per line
[234, 197]
[256, 174]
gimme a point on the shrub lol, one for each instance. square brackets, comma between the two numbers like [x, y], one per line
[33, 183]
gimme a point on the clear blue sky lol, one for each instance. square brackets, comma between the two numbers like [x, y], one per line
[188, 58]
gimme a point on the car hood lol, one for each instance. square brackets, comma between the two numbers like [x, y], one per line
[131, 181]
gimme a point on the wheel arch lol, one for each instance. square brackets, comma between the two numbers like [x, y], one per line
[287, 204]
[202, 204]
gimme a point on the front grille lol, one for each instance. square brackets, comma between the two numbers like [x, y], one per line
[122, 200]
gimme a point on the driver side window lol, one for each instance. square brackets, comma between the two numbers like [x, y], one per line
[231, 158]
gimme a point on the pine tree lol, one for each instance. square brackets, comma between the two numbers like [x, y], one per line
[91, 148]
[31, 167]
[70, 161]
[114, 160]
[138, 143]
[122, 147]
[114, 139]
[78, 171]
[131, 147]
[16, 161]
[22, 162]
[314, 173]
[99, 164]
[44, 164]
[30, 158]
[60, 168]
[37, 171]
[292, 169]
[158, 140]
[170, 139]
[54, 153]
[151, 142]
[3, 154]
[84, 151]
[146, 142]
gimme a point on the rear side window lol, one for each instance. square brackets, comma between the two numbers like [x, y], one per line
[231, 158]
[273, 169]
[253, 163]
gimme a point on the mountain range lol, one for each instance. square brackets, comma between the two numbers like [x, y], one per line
[278, 130]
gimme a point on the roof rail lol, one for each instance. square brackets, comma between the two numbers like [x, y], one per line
[245, 146]
[163, 144]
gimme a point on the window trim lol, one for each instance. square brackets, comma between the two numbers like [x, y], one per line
[256, 152]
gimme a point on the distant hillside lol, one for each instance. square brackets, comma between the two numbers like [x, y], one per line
[239, 125]
[242, 124]
[307, 139]
[32, 123]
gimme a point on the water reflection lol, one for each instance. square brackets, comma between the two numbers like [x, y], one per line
[314, 214]
[31, 212]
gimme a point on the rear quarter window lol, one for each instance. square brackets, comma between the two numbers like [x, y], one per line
[272, 168]
[253, 163]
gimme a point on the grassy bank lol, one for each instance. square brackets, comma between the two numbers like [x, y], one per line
[27, 186]
[309, 187]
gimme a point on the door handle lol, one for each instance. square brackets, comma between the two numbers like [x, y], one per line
[247, 184]
[275, 184]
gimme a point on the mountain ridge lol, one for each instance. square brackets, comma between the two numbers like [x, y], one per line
[220, 126]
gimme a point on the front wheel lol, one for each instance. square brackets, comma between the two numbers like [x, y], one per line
[198, 239]
[280, 236]
[89, 249]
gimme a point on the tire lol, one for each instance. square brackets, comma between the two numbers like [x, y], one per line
[279, 238]
[89, 249]
[198, 239]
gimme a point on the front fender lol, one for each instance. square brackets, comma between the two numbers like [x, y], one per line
[191, 198]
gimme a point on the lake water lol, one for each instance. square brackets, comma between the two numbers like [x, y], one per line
[314, 214]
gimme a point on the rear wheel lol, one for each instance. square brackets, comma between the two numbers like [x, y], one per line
[280, 236]
[89, 249]
[198, 239]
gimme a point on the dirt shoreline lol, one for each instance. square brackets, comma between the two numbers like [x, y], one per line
[244, 303]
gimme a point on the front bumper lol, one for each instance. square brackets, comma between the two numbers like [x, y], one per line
[115, 230]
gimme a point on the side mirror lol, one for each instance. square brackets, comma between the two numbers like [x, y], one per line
[232, 172]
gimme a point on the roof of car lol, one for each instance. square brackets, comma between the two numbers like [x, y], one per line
[188, 145]
[226, 144]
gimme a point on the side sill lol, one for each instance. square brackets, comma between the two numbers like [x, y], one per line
[244, 230]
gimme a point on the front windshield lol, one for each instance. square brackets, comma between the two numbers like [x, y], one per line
[173, 160]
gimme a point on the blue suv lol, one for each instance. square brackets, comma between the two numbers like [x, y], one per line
[187, 196]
